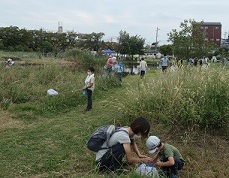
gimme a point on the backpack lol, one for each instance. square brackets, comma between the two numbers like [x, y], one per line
[100, 136]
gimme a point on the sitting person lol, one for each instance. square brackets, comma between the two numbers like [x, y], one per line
[167, 156]
[120, 144]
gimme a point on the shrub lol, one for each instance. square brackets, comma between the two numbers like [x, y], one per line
[82, 58]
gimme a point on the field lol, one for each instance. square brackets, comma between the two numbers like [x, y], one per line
[45, 136]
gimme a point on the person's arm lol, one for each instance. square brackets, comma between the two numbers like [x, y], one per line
[136, 150]
[89, 85]
[170, 162]
[130, 158]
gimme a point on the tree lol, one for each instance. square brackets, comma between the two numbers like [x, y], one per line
[91, 41]
[189, 41]
[130, 45]
[166, 49]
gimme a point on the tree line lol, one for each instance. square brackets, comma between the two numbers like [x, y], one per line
[14, 39]
[187, 42]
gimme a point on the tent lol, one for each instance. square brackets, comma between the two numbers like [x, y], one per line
[108, 51]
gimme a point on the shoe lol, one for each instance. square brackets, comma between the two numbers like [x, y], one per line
[86, 110]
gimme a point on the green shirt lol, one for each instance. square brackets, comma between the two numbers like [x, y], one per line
[171, 151]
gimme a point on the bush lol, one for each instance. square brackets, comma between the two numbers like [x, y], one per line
[83, 59]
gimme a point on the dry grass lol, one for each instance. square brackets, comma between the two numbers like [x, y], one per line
[7, 121]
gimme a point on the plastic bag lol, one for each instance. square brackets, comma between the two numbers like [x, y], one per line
[147, 170]
[52, 92]
[84, 92]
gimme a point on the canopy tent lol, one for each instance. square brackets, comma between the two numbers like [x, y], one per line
[108, 51]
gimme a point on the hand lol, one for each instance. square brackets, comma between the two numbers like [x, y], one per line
[142, 156]
[158, 163]
[146, 160]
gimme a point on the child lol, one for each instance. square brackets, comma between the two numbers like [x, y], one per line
[167, 156]
[89, 87]
[119, 70]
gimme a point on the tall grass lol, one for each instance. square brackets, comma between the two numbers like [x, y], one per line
[24, 89]
[18, 55]
[188, 98]
[83, 58]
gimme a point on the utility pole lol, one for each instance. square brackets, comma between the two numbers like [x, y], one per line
[156, 38]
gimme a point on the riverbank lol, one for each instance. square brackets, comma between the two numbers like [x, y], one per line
[54, 144]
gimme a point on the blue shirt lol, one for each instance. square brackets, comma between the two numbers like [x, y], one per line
[164, 61]
[119, 68]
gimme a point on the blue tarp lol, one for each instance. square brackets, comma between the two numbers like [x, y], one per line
[108, 51]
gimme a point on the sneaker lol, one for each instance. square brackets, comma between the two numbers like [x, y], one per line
[86, 110]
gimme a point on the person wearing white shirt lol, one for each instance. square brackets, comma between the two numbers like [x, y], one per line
[89, 87]
[143, 68]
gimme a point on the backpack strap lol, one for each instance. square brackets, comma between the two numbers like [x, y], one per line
[117, 129]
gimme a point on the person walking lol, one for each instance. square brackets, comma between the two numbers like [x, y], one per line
[164, 63]
[121, 144]
[143, 68]
[89, 87]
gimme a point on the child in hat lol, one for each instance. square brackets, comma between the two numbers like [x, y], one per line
[166, 156]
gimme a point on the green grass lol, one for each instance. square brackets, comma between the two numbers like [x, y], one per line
[45, 136]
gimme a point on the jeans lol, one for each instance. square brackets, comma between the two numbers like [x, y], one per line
[172, 171]
[89, 99]
[112, 159]
[119, 76]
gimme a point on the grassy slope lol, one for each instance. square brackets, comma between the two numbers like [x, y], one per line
[55, 147]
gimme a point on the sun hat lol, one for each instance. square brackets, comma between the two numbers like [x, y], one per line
[152, 143]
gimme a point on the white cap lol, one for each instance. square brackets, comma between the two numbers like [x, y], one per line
[152, 143]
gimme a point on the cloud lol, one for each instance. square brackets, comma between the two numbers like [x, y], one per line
[140, 17]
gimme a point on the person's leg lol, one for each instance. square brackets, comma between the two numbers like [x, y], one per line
[177, 166]
[109, 71]
[119, 76]
[89, 99]
[141, 74]
[112, 160]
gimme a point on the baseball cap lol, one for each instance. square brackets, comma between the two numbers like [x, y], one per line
[152, 143]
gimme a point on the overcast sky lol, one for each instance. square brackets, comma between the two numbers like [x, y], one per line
[136, 17]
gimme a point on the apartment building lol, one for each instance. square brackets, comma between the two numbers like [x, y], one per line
[212, 31]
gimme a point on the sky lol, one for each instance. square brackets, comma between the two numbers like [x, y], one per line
[136, 17]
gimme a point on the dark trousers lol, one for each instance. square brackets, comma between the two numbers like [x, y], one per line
[89, 99]
[174, 168]
[119, 76]
[112, 159]
[142, 73]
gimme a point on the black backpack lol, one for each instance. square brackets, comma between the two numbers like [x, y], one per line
[100, 136]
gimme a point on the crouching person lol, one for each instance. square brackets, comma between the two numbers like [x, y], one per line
[121, 144]
[167, 157]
